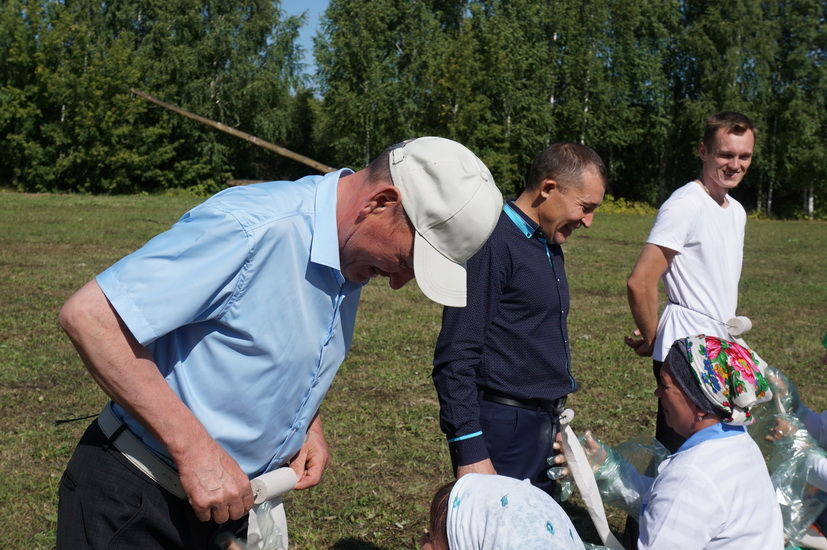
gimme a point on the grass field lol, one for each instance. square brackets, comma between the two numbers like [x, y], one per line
[381, 415]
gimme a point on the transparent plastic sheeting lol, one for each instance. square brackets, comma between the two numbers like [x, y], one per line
[791, 456]
[620, 475]
[628, 472]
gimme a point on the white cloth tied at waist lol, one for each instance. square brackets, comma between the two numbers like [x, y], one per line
[679, 320]
[267, 523]
[735, 326]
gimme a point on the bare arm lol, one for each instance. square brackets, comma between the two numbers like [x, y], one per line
[642, 293]
[124, 369]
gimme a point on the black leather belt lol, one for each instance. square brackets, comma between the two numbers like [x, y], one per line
[555, 406]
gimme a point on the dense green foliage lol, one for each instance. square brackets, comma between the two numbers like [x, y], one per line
[634, 80]
[69, 122]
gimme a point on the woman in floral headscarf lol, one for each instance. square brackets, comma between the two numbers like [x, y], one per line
[715, 491]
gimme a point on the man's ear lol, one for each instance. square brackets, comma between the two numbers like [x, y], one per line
[380, 198]
[702, 150]
[546, 187]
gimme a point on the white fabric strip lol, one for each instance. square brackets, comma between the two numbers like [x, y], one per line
[583, 476]
[267, 524]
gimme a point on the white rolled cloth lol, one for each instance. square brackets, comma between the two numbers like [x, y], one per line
[267, 522]
[492, 512]
[273, 484]
[737, 326]
[583, 476]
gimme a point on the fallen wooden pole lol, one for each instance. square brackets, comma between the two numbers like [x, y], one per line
[279, 150]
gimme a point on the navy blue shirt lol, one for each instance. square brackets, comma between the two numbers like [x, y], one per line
[512, 335]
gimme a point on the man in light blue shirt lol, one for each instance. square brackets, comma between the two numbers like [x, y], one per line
[219, 338]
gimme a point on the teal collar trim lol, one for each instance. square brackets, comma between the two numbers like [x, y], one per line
[522, 225]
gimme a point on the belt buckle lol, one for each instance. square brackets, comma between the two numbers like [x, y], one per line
[558, 405]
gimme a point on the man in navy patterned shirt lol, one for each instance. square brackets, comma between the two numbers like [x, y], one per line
[502, 366]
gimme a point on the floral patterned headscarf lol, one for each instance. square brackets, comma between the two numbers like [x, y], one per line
[730, 375]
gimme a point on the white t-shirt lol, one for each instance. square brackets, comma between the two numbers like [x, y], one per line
[715, 495]
[702, 282]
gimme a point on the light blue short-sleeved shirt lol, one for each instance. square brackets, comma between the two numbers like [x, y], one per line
[246, 312]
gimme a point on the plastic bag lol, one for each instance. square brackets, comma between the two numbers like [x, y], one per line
[623, 473]
[560, 475]
[791, 457]
[267, 522]
[592, 448]
[785, 393]
[270, 532]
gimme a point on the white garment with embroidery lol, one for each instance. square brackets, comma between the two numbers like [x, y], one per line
[492, 512]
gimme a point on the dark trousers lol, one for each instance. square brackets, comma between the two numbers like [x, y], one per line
[519, 442]
[106, 502]
[670, 439]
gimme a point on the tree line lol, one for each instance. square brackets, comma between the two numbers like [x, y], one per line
[633, 80]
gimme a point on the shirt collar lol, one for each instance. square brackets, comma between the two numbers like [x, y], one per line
[717, 431]
[526, 225]
[324, 249]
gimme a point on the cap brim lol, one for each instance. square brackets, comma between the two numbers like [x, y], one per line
[440, 279]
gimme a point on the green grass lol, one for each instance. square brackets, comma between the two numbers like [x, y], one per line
[381, 415]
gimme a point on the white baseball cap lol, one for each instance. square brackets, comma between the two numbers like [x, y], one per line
[453, 203]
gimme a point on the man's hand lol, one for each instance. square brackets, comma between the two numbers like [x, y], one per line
[314, 456]
[481, 467]
[217, 488]
[595, 451]
[639, 344]
[559, 470]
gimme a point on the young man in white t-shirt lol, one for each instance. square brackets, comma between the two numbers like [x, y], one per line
[696, 246]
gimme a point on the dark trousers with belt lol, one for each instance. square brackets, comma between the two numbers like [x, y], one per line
[106, 502]
[519, 440]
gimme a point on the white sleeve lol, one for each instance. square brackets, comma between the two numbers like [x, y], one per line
[817, 472]
[674, 225]
[677, 518]
[816, 424]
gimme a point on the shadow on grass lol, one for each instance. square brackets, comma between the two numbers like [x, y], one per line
[582, 522]
[355, 544]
